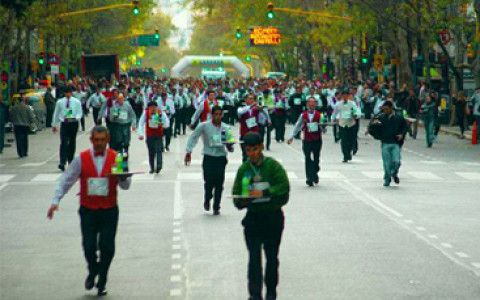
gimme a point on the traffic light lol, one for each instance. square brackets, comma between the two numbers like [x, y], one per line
[139, 62]
[157, 34]
[248, 58]
[41, 61]
[364, 57]
[41, 58]
[135, 10]
[270, 13]
[238, 35]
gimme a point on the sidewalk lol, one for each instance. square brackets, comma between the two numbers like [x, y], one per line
[453, 130]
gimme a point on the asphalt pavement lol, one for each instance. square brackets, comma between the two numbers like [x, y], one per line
[347, 238]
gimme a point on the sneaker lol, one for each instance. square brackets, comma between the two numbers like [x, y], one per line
[309, 183]
[206, 206]
[316, 180]
[216, 213]
[386, 183]
[61, 167]
[151, 171]
[158, 170]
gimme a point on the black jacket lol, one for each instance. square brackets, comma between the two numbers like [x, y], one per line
[388, 128]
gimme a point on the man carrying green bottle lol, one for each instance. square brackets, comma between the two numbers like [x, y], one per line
[261, 185]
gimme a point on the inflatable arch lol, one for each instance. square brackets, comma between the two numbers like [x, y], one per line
[188, 62]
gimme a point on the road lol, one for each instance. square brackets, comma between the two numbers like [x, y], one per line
[347, 238]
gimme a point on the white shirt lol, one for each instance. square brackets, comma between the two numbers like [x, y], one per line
[61, 110]
[96, 101]
[73, 172]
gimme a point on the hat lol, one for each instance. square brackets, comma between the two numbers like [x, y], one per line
[252, 139]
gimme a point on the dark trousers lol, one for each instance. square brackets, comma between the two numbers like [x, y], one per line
[244, 152]
[49, 117]
[99, 228]
[168, 135]
[263, 229]
[265, 129]
[95, 116]
[368, 110]
[178, 122]
[280, 121]
[347, 135]
[461, 122]
[155, 149]
[2, 136]
[311, 150]
[214, 177]
[68, 141]
[120, 136]
[355, 136]
[21, 136]
[183, 120]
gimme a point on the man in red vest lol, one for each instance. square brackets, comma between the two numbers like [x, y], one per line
[98, 204]
[204, 110]
[310, 123]
[153, 123]
[248, 117]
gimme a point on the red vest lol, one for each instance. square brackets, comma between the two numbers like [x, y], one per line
[206, 111]
[311, 136]
[153, 131]
[254, 112]
[89, 171]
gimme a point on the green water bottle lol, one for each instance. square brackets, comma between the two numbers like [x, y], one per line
[119, 163]
[245, 186]
[405, 114]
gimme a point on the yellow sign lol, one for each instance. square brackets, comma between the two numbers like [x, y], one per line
[4, 85]
[379, 62]
[265, 36]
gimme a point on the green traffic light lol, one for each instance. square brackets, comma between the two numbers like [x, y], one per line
[136, 11]
[157, 36]
[270, 15]
[238, 35]
[41, 61]
[364, 60]
[164, 70]
[248, 58]
[139, 62]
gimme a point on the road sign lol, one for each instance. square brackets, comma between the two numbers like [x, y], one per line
[147, 40]
[378, 62]
[265, 36]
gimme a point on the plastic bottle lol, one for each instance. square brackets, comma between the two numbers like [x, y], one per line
[119, 163]
[405, 114]
[245, 186]
[125, 162]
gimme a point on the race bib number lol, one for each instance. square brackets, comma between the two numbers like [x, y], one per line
[221, 103]
[347, 114]
[313, 127]
[251, 122]
[123, 115]
[280, 105]
[297, 101]
[153, 124]
[97, 187]
[216, 140]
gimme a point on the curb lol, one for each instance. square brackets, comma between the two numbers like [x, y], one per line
[450, 132]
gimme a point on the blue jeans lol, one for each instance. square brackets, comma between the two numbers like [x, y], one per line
[391, 160]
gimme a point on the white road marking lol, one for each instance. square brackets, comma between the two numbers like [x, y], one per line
[143, 177]
[3, 186]
[469, 175]
[176, 267]
[175, 278]
[177, 223]
[177, 202]
[331, 175]
[176, 256]
[292, 175]
[462, 254]
[433, 236]
[408, 221]
[476, 265]
[33, 164]
[433, 162]
[470, 163]
[189, 176]
[46, 177]
[177, 230]
[176, 238]
[6, 177]
[176, 247]
[447, 245]
[2, 165]
[175, 292]
[421, 228]
[424, 175]
[373, 175]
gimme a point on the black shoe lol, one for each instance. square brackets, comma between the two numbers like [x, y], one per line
[386, 183]
[309, 183]
[167, 149]
[61, 167]
[216, 212]
[151, 171]
[355, 151]
[316, 180]
[90, 282]
[396, 179]
[158, 170]
[101, 292]
[345, 160]
[206, 205]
